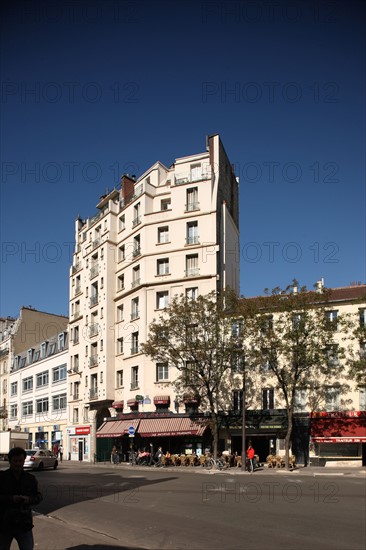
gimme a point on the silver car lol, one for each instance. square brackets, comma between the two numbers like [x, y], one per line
[38, 459]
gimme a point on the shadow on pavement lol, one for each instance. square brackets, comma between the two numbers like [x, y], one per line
[102, 547]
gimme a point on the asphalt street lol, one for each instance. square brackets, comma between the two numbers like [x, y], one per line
[89, 506]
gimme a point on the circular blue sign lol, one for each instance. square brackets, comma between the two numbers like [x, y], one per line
[131, 430]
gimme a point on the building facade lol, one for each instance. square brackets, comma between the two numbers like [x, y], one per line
[173, 231]
[28, 346]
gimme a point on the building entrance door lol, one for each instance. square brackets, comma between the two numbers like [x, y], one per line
[81, 449]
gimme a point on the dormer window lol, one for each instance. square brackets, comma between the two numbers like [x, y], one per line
[43, 350]
[61, 341]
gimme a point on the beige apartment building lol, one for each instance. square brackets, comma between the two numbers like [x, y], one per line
[172, 231]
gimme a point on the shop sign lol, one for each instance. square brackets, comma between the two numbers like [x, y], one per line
[338, 414]
[70, 430]
[82, 430]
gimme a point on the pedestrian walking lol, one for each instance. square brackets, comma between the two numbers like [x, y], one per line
[250, 456]
[18, 493]
[60, 452]
[114, 455]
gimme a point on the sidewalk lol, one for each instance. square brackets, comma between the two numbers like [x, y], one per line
[301, 470]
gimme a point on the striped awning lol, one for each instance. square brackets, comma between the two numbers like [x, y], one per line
[116, 428]
[162, 400]
[170, 427]
[132, 402]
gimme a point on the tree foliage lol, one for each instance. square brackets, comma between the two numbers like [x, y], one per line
[196, 338]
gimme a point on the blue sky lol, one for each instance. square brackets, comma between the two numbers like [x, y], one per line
[91, 90]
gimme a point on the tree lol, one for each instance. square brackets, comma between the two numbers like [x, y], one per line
[196, 337]
[357, 349]
[293, 344]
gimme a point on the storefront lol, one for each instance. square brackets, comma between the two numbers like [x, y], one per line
[338, 435]
[78, 443]
[177, 434]
[265, 430]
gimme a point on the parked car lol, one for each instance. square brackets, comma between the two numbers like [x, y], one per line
[38, 459]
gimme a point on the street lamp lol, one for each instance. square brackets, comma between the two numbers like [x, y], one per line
[243, 418]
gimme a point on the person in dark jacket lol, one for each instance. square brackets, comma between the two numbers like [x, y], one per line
[18, 493]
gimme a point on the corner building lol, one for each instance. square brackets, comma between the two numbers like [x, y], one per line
[172, 231]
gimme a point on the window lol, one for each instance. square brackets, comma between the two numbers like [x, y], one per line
[163, 234]
[189, 372]
[119, 378]
[300, 399]
[192, 199]
[162, 299]
[196, 172]
[59, 402]
[27, 384]
[332, 398]
[52, 348]
[42, 379]
[59, 374]
[332, 356]
[119, 345]
[136, 246]
[75, 395]
[44, 344]
[136, 278]
[76, 335]
[268, 398]
[135, 342]
[121, 282]
[122, 253]
[13, 411]
[362, 398]
[165, 204]
[192, 293]
[192, 268]
[136, 214]
[163, 266]
[27, 408]
[162, 372]
[75, 367]
[42, 405]
[298, 321]
[120, 313]
[37, 355]
[134, 308]
[332, 318]
[30, 356]
[14, 388]
[61, 341]
[75, 416]
[134, 378]
[192, 233]
[237, 328]
[122, 223]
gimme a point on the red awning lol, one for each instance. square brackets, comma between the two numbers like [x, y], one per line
[162, 400]
[116, 428]
[132, 402]
[118, 404]
[172, 426]
[338, 429]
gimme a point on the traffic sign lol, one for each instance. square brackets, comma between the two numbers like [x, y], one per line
[131, 431]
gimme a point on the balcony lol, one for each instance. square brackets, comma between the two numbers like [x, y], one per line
[93, 360]
[96, 243]
[94, 270]
[192, 272]
[136, 252]
[136, 221]
[93, 300]
[196, 175]
[192, 239]
[75, 268]
[136, 283]
[192, 206]
[134, 349]
[93, 393]
[93, 330]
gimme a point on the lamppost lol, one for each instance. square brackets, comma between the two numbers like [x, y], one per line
[243, 418]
